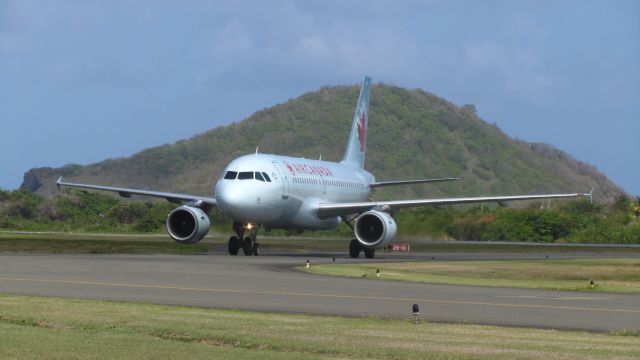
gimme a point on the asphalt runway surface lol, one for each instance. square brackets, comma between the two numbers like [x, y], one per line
[269, 283]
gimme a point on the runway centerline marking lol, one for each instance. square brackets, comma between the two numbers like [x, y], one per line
[338, 296]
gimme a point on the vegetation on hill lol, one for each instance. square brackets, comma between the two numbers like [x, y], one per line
[412, 134]
[569, 221]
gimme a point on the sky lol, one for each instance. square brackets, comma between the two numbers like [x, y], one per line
[82, 81]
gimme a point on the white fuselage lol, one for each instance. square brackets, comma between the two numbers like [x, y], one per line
[289, 193]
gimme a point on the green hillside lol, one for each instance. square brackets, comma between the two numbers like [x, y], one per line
[412, 134]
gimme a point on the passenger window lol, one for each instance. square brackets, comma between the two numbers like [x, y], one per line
[266, 177]
[245, 175]
[230, 175]
[259, 176]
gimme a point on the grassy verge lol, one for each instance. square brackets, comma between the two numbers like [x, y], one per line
[609, 275]
[95, 244]
[36, 327]
[89, 243]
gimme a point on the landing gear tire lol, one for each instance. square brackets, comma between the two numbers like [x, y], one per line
[369, 253]
[256, 249]
[247, 246]
[354, 249]
[234, 245]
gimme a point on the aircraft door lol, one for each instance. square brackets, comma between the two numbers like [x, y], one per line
[284, 178]
[324, 184]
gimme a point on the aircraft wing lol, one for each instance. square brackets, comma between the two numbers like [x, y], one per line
[408, 182]
[124, 192]
[328, 210]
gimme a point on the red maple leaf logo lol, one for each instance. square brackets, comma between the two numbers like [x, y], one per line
[362, 132]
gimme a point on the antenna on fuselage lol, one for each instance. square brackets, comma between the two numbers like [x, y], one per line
[256, 150]
[320, 159]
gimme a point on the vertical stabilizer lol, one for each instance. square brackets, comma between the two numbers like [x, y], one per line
[354, 155]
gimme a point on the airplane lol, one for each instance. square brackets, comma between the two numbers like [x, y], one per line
[281, 192]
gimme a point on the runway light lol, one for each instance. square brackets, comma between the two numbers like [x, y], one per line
[378, 273]
[334, 259]
[307, 265]
[416, 312]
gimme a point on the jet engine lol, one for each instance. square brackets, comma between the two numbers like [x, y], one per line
[375, 229]
[187, 224]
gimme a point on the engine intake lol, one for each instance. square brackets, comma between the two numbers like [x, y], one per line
[187, 224]
[375, 229]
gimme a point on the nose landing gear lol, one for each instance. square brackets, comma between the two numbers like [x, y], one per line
[249, 244]
[234, 245]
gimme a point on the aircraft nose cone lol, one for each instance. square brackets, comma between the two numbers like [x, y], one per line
[231, 198]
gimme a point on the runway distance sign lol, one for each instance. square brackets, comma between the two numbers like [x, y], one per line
[399, 247]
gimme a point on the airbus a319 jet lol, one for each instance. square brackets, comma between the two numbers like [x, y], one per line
[279, 192]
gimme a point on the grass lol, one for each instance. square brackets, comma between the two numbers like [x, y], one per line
[609, 275]
[88, 243]
[94, 244]
[37, 327]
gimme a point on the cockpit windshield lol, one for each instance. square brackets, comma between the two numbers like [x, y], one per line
[247, 175]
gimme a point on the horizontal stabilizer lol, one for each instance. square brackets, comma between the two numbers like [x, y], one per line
[409, 182]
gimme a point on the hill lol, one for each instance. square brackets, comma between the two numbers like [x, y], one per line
[412, 134]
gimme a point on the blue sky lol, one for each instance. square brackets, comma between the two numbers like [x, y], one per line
[81, 81]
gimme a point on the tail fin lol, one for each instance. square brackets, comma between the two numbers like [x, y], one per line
[354, 155]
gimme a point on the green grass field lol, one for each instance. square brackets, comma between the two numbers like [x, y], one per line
[609, 275]
[54, 328]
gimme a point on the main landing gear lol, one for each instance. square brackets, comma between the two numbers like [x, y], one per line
[248, 244]
[355, 247]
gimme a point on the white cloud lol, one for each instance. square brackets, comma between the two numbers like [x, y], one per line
[312, 47]
[485, 54]
[234, 38]
[516, 65]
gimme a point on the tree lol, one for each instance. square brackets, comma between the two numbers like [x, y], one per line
[469, 108]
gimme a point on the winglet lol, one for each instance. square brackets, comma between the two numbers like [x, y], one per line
[58, 183]
[589, 195]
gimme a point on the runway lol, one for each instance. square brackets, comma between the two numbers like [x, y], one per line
[269, 283]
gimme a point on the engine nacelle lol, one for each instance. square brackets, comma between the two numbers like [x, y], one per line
[375, 229]
[187, 224]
